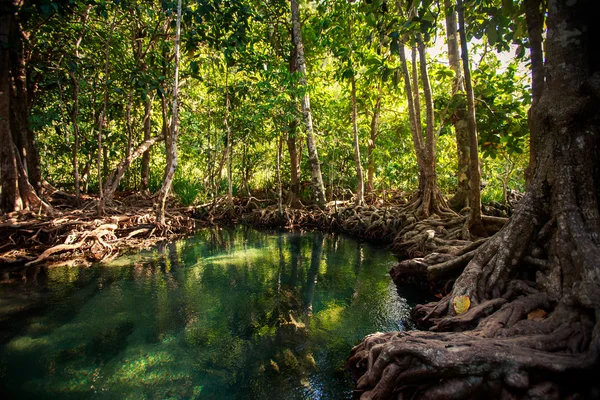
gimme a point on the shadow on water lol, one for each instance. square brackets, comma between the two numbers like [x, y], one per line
[228, 314]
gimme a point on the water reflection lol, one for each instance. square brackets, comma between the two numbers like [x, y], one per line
[228, 314]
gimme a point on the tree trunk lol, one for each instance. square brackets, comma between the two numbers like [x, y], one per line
[147, 132]
[294, 197]
[535, 25]
[374, 134]
[102, 120]
[415, 87]
[229, 149]
[10, 199]
[292, 141]
[459, 117]
[75, 108]
[29, 154]
[360, 198]
[414, 124]
[279, 190]
[246, 171]
[533, 326]
[432, 201]
[113, 180]
[17, 193]
[129, 127]
[171, 139]
[317, 178]
[474, 223]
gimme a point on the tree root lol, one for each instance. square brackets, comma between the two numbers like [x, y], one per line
[404, 365]
[78, 234]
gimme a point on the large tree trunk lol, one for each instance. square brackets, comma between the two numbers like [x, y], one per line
[171, 138]
[459, 116]
[317, 178]
[360, 186]
[17, 192]
[532, 329]
[10, 199]
[535, 25]
[474, 223]
[29, 154]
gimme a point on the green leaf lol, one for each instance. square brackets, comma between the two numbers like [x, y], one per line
[371, 20]
[507, 7]
[492, 34]
[428, 17]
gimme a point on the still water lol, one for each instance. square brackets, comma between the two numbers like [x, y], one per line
[227, 314]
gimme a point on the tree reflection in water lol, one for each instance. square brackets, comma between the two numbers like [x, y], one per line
[227, 314]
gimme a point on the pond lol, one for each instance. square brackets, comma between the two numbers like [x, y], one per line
[228, 314]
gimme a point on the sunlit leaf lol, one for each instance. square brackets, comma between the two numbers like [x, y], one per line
[461, 304]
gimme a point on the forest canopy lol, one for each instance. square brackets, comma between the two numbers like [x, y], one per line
[99, 79]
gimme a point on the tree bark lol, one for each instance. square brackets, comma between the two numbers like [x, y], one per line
[171, 166]
[317, 177]
[415, 87]
[360, 198]
[10, 199]
[29, 154]
[474, 223]
[17, 192]
[459, 117]
[535, 25]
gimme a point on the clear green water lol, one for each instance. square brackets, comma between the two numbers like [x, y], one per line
[228, 314]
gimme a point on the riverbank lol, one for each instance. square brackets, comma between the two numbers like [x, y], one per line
[74, 234]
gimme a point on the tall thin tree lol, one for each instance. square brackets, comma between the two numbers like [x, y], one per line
[171, 138]
[317, 178]
[474, 223]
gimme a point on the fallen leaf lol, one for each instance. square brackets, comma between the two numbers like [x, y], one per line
[537, 315]
[461, 304]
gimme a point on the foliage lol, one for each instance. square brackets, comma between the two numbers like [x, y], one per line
[241, 50]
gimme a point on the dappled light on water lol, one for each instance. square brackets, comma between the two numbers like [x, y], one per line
[227, 314]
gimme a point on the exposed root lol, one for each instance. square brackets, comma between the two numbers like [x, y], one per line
[77, 234]
[522, 337]
[462, 365]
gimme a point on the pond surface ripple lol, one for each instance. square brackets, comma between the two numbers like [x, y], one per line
[227, 314]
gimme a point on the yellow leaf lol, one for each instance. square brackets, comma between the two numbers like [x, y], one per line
[461, 304]
[537, 315]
